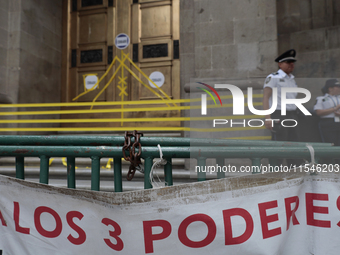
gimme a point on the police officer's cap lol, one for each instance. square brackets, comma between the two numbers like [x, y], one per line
[330, 84]
[289, 55]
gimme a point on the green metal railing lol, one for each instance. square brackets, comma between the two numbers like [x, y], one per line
[97, 147]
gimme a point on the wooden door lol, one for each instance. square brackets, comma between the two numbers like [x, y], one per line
[89, 32]
[155, 39]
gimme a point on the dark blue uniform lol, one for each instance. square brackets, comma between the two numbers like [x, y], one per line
[329, 124]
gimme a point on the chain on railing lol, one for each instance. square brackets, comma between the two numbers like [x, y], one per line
[134, 157]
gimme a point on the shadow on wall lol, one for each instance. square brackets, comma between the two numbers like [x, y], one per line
[4, 99]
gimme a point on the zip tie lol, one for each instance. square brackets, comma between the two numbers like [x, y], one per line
[160, 162]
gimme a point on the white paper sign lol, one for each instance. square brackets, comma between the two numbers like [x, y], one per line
[122, 41]
[90, 81]
[157, 78]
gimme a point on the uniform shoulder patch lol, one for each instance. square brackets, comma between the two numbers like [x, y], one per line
[276, 73]
[268, 79]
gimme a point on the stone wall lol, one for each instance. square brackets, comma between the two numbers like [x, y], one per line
[238, 40]
[230, 41]
[30, 51]
[227, 38]
[312, 27]
[40, 51]
[4, 27]
[241, 38]
[8, 64]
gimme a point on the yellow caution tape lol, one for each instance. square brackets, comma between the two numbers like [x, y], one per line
[142, 102]
[98, 129]
[128, 120]
[146, 109]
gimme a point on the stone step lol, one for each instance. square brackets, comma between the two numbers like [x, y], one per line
[81, 162]
[56, 173]
[107, 186]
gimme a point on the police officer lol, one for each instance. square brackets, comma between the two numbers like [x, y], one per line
[328, 108]
[282, 78]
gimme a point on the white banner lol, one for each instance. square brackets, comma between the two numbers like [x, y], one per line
[265, 214]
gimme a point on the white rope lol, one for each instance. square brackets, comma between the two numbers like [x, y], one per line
[159, 163]
[312, 154]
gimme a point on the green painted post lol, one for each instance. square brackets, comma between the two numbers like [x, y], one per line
[168, 172]
[117, 174]
[20, 167]
[273, 162]
[256, 163]
[95, 173]
[220, 162]
[148, 162]
[71, 172]
[44, 169]
[201, 174]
